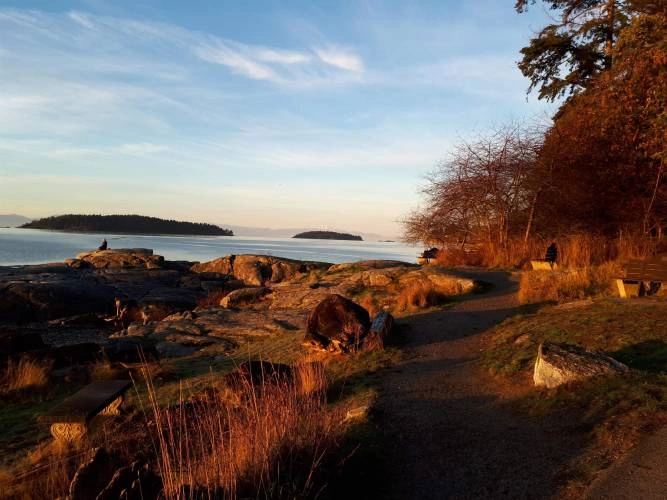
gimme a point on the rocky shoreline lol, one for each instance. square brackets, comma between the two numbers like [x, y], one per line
[114, 301]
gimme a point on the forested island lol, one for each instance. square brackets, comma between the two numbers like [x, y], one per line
[129, 224]
[327, 235]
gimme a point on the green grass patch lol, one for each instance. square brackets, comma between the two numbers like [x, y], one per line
[613, 411]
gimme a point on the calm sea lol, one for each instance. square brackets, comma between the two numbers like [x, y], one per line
[31, 246]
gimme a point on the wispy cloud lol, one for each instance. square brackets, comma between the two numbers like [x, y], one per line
[342, 58]
[238, 63]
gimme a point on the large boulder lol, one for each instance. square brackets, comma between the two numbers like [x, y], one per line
[14, 342]
[93, 476]
[102, 478]
[558, 364]
[124, 258]
[337, 324]
[33, 297]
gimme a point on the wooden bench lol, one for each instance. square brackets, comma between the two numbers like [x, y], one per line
[543, 265]
[642, 277]
[71, 418]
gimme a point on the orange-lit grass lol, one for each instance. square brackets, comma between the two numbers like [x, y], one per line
[563, 286]
[418, 295]
[269, 445]
[25, 374]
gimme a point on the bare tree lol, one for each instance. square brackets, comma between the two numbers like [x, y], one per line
[481, 192]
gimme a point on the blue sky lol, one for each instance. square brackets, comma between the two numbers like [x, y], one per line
[273, 114]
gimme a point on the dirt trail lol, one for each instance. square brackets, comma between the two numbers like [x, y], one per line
[446, 435]
[640, 474]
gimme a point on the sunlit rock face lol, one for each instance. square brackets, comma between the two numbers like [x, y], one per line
[259, 269]
[558, 364]
[124, 258]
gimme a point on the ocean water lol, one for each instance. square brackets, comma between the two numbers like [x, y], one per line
[32, 246]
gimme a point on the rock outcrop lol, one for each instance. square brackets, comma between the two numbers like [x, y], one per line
[558, 364]
[337, 324]
[244, 296]
[123, 258]
[258, 269]
[101, 478]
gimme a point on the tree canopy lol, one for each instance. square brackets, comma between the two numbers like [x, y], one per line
[598, 169]
[566, 54]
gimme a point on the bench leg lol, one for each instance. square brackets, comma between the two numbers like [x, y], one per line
[621, 289]
[66, 432]
[113, 409]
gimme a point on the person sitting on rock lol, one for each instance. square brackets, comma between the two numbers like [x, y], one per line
[103, 246]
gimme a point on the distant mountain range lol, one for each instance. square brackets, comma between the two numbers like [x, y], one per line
[13, 220]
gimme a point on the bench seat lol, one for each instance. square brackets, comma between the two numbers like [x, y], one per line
[642, 274]
[69, 420]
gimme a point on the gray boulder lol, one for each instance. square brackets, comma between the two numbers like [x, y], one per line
[558, 364]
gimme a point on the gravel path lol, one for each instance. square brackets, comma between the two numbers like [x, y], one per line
[640, 474]
[446, 435]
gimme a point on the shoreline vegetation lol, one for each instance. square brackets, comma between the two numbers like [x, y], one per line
[327, 235]
[128, 224]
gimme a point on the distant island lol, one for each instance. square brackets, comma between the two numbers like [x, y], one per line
[129, 224]
[327, 235]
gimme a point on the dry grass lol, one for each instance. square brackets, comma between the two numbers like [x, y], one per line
[616, 410]
[45, 472]
[574, 251]
[268, 446]
[25, 374]
[370, 302]
[418, 295]
[567, 285]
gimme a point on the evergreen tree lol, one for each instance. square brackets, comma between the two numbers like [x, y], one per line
[563, 57]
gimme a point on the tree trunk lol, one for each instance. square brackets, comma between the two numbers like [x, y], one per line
[531, 215]
[609, 42]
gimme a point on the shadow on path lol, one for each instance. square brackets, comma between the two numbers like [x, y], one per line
[445, 435]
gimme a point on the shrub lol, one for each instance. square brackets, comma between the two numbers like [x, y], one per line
[418, 294]
[270, 445]
[563, 286]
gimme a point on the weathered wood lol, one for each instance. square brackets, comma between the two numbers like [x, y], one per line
[542, 265]
[88, 402]
[640, 275]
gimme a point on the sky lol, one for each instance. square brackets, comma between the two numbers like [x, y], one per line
[317, 114]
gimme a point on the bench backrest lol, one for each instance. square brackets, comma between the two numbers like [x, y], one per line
[654, 269]
[88, 402]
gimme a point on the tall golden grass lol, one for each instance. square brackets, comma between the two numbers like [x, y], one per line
[25, 374]
[418, 294]
[566, 285]
[574, 251]
[270, 445]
